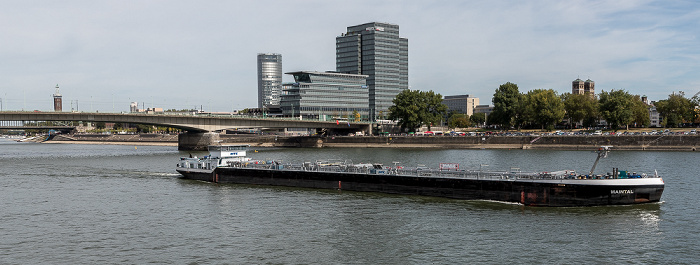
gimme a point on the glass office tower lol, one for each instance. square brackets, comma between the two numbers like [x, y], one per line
[376, 50]
[269, 80]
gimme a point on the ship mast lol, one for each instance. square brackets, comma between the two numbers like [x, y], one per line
[602, 152]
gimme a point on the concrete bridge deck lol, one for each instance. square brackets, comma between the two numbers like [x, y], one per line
[184, 122]
[201, 130]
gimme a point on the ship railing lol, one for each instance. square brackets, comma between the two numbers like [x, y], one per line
[417, 171]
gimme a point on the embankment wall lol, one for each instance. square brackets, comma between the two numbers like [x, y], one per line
[623, 142]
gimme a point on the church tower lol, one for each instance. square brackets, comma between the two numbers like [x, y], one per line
[57, 101]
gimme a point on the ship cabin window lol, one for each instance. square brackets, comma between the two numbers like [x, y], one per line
[227, 148]
[235, 148]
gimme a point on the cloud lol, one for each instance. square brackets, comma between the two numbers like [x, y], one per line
[181, 54]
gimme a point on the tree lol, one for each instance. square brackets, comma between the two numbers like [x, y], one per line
[458, 120]
[545, 108]
[616, 108]
[142, 128]
[100, 125]
[478, 118]
[380, 115]
[434, 109]
[677, 109]
[581, 108]
[640, 113]
[506, 103]
[406, 109]
[356, 115]
[413, 108]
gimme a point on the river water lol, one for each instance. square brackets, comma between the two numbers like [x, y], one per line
[108, 204]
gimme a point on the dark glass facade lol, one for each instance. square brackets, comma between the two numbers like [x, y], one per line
[376, 50]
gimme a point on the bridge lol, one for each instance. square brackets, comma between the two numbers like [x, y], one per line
[201, 130]
[59, 128]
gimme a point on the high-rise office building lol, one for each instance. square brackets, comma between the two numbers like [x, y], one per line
[376, 50]
[269, 80]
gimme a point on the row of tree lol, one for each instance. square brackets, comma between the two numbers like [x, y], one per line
[544, 108]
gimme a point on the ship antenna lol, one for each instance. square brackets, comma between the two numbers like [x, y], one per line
[602, 152]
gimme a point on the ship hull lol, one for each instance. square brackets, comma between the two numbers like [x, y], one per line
[528, 192]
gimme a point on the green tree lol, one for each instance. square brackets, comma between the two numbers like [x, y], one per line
[100, 125]
[434, 109]
[506, 104]
[458, 120]
[677, 109]
[406, 109]
[142, 128]
[478, 118]
[640, 113]
[616, 107]
[356, 115]
[581, 108]
[545, 108]
[413, 108]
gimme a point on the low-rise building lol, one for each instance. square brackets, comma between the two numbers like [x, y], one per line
[463, 104]
[325, 96]
[486, 109]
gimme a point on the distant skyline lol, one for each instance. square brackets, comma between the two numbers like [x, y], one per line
[182, 54]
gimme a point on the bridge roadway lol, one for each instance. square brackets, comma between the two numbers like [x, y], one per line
[198, 124]
[68, 128]
[201, 130]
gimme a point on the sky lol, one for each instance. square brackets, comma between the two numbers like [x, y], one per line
[186, 54]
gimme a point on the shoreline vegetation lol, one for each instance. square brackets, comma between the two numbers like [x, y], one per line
[666, 142]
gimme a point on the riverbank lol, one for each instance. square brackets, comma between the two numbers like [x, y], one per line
[113, 143]
[587, 142]
[116, 139]
[646, 142]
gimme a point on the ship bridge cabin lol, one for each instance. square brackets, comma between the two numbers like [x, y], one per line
[227, 151]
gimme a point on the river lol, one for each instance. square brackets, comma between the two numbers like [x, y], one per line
[109, 204]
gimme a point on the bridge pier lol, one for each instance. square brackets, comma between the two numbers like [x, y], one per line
[196, 141]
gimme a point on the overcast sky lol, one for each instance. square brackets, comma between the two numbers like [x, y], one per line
[181, 54]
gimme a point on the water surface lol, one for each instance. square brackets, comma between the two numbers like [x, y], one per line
[86, 204]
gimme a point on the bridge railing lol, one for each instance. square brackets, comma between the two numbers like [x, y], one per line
[213, 115]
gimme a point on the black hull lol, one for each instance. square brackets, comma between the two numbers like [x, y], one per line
[524, 192]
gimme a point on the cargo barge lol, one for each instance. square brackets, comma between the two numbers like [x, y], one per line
[229, 164]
